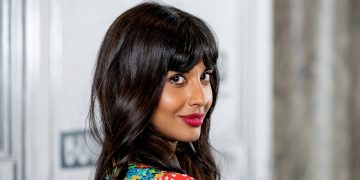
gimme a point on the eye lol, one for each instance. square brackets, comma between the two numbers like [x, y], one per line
[206, 77]
[177, 79]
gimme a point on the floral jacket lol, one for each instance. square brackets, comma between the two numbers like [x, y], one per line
[138, 171]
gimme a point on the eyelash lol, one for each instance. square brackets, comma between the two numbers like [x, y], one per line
[172, 79]
[202, 78]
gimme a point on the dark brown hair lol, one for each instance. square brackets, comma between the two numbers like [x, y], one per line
[138, 50]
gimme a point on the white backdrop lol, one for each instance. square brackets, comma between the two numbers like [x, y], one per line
[62, 39]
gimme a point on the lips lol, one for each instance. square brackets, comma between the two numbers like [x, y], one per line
[194, 120]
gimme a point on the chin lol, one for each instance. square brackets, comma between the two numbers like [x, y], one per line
[191, 137]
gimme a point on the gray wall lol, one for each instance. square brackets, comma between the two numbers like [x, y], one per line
[317, 89]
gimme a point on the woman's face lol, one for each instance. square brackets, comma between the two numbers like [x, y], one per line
[185, 100]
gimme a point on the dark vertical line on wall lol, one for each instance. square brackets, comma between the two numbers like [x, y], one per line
[10, 75]
[281, 97]
[16, 176]
[342, 91]
[354, 95]
[23, 91]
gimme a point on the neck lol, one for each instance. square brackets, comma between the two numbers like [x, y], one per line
[173, 145]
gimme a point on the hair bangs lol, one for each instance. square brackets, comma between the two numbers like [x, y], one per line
[195, 42]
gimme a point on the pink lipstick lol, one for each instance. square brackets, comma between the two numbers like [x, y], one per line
[194, 120]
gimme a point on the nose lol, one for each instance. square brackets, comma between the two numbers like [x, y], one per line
[197, 95]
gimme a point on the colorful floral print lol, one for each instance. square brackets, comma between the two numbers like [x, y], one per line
[144, 172]
[138, 171]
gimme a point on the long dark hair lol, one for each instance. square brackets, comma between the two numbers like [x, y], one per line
[138, 50]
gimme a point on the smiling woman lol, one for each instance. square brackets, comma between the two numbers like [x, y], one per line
[156, 85]
[185, 100]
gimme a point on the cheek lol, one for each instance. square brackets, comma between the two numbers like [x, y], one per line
[170, 101]
[209, 96]
[165, 115]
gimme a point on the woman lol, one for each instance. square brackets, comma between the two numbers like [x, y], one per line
[155, 85]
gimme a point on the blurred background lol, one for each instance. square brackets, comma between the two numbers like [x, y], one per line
[289, 103]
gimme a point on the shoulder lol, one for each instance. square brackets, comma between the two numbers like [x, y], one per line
[145, 172]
